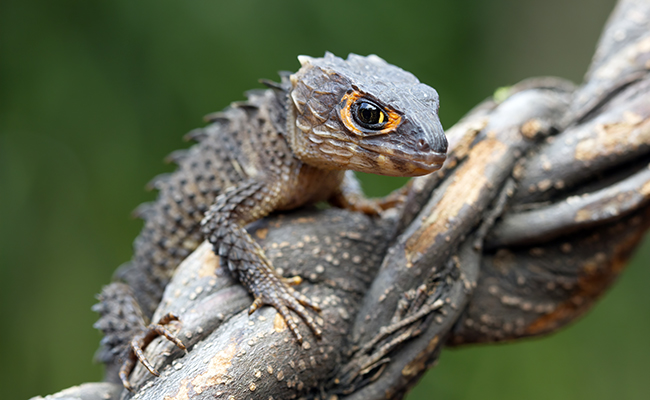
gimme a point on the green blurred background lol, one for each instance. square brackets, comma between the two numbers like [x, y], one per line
[94, 94]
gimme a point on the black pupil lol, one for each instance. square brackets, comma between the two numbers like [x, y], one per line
[369, 114]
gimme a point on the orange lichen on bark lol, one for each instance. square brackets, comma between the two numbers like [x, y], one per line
[261, 233]
[419, 363]
[279, 323]
[531, 128]
[617, 65]
[470, 181]
[305, 220]
[614, 205]
[615, 137]
[462, 135]
[209, 262]
[597, 274]
[217, 369]
[183, 392]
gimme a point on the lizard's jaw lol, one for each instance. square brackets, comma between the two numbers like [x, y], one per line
[393, 161]
[429, 163]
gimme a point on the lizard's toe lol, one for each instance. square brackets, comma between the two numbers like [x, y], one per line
[306, 316]
[306, 301]
[140, 342]
[288, 319]
[293, 281]
[285, 299]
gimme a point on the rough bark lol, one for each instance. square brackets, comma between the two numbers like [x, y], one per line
[544, 196]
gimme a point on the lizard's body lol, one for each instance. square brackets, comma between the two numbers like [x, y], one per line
[285, 147]
[226, 156]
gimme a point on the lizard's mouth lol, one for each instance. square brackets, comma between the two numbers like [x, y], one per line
[396, 162]
[425, 165]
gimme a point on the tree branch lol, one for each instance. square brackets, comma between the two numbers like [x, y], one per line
[544, 196]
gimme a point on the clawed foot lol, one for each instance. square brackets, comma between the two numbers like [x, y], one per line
[141, 341]
[279, 294]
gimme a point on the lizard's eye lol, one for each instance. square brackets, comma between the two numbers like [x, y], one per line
[369, 115]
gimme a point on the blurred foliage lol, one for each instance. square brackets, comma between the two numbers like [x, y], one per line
[94, 94]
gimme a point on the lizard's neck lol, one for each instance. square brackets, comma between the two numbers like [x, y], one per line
[302, 182]
[312, 185]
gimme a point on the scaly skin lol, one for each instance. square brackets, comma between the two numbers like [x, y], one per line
[285, 147]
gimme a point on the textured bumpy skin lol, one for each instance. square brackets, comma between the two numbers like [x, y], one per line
[284, 147]
[325, 134]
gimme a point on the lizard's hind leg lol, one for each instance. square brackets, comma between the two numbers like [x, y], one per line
[126, 333]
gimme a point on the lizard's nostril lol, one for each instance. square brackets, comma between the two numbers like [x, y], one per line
[423, 145]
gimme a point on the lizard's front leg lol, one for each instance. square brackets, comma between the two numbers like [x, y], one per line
[224, 228]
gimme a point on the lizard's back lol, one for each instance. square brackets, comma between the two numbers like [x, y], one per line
[239, 144]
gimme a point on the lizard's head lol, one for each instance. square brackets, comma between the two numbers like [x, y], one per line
[365, 115]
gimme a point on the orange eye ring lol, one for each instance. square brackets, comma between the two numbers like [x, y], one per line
[352, 101]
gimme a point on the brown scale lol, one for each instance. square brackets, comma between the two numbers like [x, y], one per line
[285, 147]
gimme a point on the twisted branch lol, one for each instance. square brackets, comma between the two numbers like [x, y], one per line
[544, 196]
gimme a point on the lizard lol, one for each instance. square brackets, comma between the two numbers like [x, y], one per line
[292, 144]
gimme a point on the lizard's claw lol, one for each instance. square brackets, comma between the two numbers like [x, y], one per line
[140, 342]
[293, 281]
[368, 206]
[281, 296]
